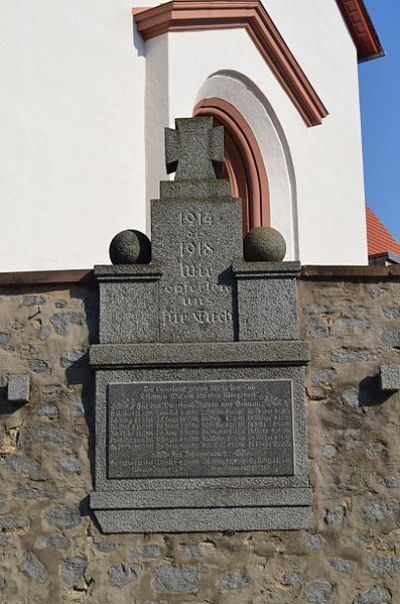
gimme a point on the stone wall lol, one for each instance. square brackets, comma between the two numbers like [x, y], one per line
[51, 551]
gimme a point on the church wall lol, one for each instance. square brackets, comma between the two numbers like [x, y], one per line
[72, 123]
[327, 159]
[51, 551]
[75, 137]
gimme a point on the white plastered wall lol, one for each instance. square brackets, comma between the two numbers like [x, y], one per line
[326, 207]
[84, 101]
[72, 131]
[242, 94]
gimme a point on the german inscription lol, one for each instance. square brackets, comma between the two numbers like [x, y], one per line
[197, 288]
[200, 429]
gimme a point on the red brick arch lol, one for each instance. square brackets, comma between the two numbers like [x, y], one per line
[244, 165]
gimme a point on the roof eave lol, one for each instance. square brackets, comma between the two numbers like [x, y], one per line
[362, 29]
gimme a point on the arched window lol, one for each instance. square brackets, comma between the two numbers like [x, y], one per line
[244, 164]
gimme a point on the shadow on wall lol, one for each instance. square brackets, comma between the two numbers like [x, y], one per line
[78, 372]
[370, 393]
[247, 98]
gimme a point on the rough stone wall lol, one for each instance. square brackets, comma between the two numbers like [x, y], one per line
[52, 552]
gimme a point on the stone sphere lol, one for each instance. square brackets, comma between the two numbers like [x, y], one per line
[264, 244]
[130, 247]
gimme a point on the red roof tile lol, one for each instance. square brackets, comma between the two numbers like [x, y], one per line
[380, 240]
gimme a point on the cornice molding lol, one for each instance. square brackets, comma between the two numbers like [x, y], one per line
[361, 29]
[188, 15]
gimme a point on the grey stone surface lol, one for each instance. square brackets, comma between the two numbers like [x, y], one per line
[264, 244]
[60, 303]
[106, 546]
[171, 373]
[117, 521]
[192, 550]
[194, 150]
[36, 494]
[350, 397]
[391, 482]
[352, 356]
[34, 300]
[70, 464]
[4, 339]
[73, 358]
[382, 564]
[47, 434]
[291, 578]
[22, 465]
[329, 451]
[391, 312]
[50, 389]
[342, 566]
[197, 288]
[315, 542]
[190, 239]
[267, 309]
[204, 519]
[34, 569]
[318, 592]
[378, 509]
[48, 411]
[317, 328]
[335, 514]
[376, 595]
[18, 388]
[38, 365]
[176, 578]
[75, 404]
[61, 322]
[63, 516]
[149, 550]
[57, 541]
[129, 311]
[229, 353]
[390, 377]
[10, 523]
[319, 309]
[238, 579]
[391, 337]
[130, 247]
[207, 497]
[73, 569]
[123, 574]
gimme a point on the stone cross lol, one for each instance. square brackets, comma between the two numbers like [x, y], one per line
[195, 150]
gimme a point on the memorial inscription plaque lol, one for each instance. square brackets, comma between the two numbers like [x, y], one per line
[197, 287]
[200, 419]
[190, 429]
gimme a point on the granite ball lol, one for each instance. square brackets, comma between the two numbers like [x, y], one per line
[264, 244]
[130, 247]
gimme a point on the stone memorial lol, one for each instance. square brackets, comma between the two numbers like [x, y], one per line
[200, 417]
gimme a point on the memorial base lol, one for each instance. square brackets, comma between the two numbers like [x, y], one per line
[288, 509]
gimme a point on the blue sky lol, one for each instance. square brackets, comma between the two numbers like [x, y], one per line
[380, 113]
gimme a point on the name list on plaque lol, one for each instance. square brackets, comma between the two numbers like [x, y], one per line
[200, 429]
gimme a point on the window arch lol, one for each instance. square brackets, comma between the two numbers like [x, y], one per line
[244, 165]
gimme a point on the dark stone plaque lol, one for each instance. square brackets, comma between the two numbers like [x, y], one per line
[200, 429]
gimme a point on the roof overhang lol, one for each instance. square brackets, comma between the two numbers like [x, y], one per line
[188, 15]
[362, 29]
[384, 258]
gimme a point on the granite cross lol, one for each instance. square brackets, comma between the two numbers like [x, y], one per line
[195, 150]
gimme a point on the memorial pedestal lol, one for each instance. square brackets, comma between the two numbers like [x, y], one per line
[200, 419]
